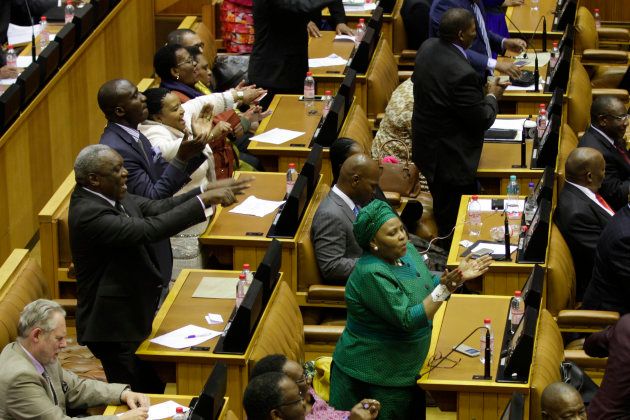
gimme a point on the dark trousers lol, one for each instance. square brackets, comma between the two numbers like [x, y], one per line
[121, 365]
[446, 198]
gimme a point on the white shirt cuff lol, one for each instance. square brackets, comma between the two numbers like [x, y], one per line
[492, 63]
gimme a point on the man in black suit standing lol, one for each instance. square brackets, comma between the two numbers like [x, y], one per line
[118, 276]
[450, 114]
[581, 213]
[609, 121]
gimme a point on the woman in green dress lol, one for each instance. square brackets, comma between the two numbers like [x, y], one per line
[391, 298]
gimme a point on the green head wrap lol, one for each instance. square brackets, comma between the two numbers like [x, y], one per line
[370, 220]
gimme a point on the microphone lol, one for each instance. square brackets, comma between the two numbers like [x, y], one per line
[523, 145]
[33, 45]
[544, 34]
[487, 355]
[524, 79]
[506, 236]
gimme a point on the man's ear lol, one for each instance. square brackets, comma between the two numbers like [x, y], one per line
[119, 111]
[93, 180]
[275, 414]
[36, 334]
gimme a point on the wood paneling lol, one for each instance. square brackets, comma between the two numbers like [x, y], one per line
[38, 151]
[610, 10]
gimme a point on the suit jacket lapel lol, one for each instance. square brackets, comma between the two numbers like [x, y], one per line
[132, 143]
[599, 211]
[612, 149]
[344, 207]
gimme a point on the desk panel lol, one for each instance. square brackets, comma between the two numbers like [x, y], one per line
[528, 19]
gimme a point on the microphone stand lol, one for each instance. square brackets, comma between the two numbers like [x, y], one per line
[487, 356]
[506, 236]
[536, 73]
[523, 145]
[544, 34]
[33, 45]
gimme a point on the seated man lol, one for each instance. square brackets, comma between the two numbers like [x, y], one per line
[581, 213]
[335, 247]
[34, 385]
[612, 400]
[609, 120]
[561, 401]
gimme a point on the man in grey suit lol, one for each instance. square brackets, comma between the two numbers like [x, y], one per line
[335, 247]
[34, 385]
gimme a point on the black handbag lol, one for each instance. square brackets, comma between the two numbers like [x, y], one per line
[573, 375]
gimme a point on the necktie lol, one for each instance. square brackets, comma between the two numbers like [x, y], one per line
[481, 25]
[603, 202]
[144, 153]
[121, 209]
[623, 152]
[47, 377]
[355, 210]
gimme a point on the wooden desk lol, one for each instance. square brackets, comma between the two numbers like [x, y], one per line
[503, 278]
[191, 368]
[112, 410]
[454, 389]
[526, 19]
[290, 113]
[227, 237]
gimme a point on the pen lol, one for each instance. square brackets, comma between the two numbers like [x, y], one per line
[197, 335]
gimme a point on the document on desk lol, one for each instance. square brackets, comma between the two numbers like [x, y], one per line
[190, 335]
[7, 82]
[497, 249]
[253, 206]
[164, 410]
[530, 88]
[509, 124]
[23, 61]
[543, 58]
[359, 7]
[277, 136]
[21, 34]
[331, 60]
[216, 288]
[350, 38]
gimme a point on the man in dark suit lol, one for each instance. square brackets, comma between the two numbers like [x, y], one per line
[150, 175]
[486, 42]
[581, 213]
[279, 60]
[336, 249]
[118, 276]
[450, 114]
[609, 121]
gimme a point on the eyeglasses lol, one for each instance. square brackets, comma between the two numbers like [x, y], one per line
[199, 45]
[622, 117]
[303, 380]
[299, 400]
[437, 361]
[189, 61]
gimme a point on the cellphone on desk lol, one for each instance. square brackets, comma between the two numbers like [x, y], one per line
[497, 204]
[521, 63]
[481, 252]
[467, 350]
[315, 98]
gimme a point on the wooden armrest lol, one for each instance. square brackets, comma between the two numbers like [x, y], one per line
[408, 54]
[610, 34]
[583, 360]
[622, 94]
[607, 56]
[68, 305]
[322, 333]
[323, 292]
[581, 317]
[404, 75]
[393, 198]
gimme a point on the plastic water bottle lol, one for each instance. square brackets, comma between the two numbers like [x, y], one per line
[555, 53]
[241, 289]
[69, 11]
[530, 204]
[179, 414]
[474, 216]
[360, 31]
[309, 90]
[598, 18]
[541, 122]
[513, 191]
[249, 277]
[517, 307]
[11, 57]
[327, 103]
[482, 345]
[291, 177]
[535, 4]
[44, 35]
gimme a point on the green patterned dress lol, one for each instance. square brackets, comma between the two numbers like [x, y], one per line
[387, 335]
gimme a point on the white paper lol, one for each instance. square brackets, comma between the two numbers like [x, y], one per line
[178, 339]
[530, 88]
[253, 206]
[359, 7]
[277, 136]
[164, 410]
[331, 60]
[497, 249]
[213, 319]
[509, 124]
[7, 82]
[21, 34]
[23, 61]
[486, 204]
[344, 38]
[465, 243]
[543, 58]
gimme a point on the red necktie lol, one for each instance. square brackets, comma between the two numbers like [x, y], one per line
[603, 202]
[623, 152]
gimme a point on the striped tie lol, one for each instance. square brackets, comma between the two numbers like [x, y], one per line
[481, 25]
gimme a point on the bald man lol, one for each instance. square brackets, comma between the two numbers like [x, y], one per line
[562, 401]
[581, 214]
[335, 247]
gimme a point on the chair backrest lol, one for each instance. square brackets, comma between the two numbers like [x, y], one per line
[382, 76]
[580, 97]
[357, 127]
[548, 354]
[585, 31]
[568, 142]
[560, 274]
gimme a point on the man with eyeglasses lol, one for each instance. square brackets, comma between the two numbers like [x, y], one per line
[609, 121]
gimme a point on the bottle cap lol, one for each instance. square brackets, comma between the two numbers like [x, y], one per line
[245, 266]
[10, 46]
[475, 197]
[487, 321]
[68, 2]
[328, 92]
[512, 177]
[541, 106]
[309, 73]
[596, 10]
[361, 20]
[43, 18]
[543, 111]
[531, 184]
[291, 165]
[517, 293]
[555, 43]
[179, 410]
[241, 276]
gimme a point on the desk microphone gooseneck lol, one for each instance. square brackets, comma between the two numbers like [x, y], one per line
[33, 50]
[525, 77]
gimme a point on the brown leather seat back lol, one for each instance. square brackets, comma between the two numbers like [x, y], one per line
[357, 128]
[399, 35]
[308, 272]
[580, 97]
[568, 142]
[382, 76]
[284, 329]
[585, 31]
[548, 355]
[560, 274]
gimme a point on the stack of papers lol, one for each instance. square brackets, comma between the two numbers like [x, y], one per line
[190, 335]
[21, 34]
[510, 124]
[213, 319]
[277, 136]
[331, 60]
[216, 288]
[530, 88]
[164, 410]
[253, 206]
[344, 38]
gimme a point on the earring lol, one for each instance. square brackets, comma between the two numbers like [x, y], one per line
[375, 248]
[177, 77]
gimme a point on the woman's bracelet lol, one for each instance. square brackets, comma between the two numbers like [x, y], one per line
[440, 293]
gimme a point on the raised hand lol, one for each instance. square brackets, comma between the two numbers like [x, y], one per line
[471, 269]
